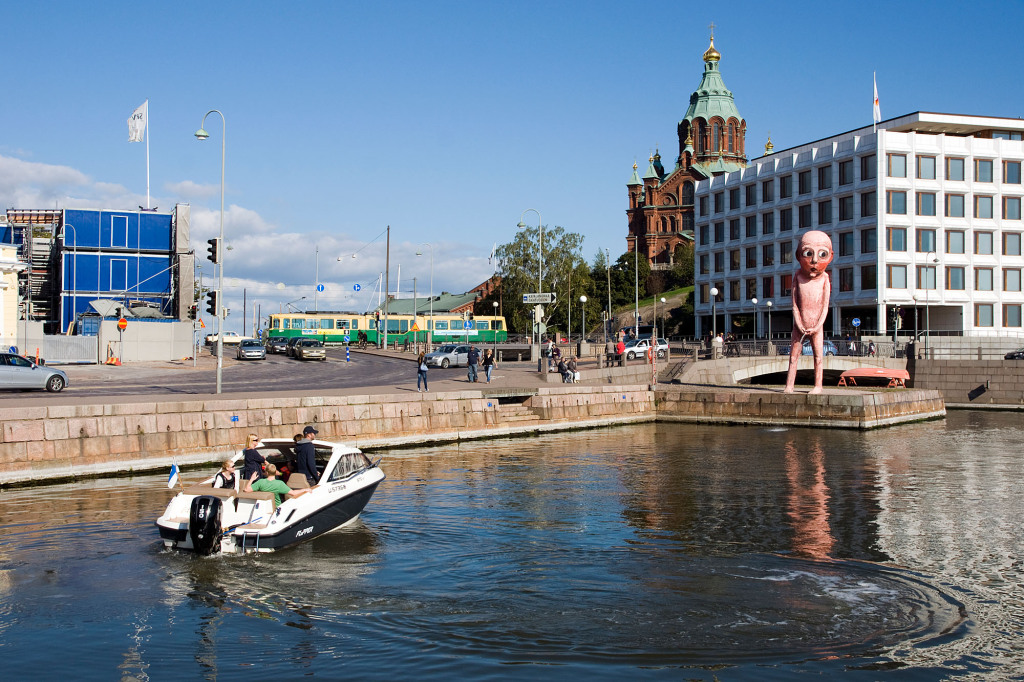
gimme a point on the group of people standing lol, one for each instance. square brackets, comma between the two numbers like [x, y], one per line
[488, 362]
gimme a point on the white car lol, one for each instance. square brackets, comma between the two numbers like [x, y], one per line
[449, 355]
[230, 338]
[637, 348]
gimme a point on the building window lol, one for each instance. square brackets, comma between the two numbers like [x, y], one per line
[118, 233]
[751, 191]
[734, 291]
[955, 169]
[846, 172]
[785, 252]
[896, 239]
[702, 293]
[983, 170]
[1011, 208]
[1011, 243]
[1007, 135]
[955, 241]
[785, 220]
[982, 206]
[768, 223]
[1011, 279]
[846, 208]
[983, 315]
[926, 203]
[734, 198]
[803, 180]
[751, 225]
[896, 276]
[925, 276]
[716, 137]
[751, 257]
[845, 279]
[824, 178]
[786, 282]
[734, 228]
[768, 287]
[825, 212]
[868, 278]
[867, 240]
[720, 261]
[1011, 172]
[926, 167]
[955, 280]
[785, 186]
[719, 202]
[1011, 314]
[734, 260]
[867, 204]
[705, 267]
[768, 254]
[896, 165]
[719, 233]
[767, 191]
[983, 243]
[867, 169]
[954, 205]
[703, 235]
[703, 204]
[751, 287]
[804, 215]
[896, 202]
[845, 244]
[687, 194]
[925, 240]
[983, 279]
[119, 274]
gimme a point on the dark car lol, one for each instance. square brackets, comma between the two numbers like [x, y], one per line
[1015, 354]
[17, 371]
[277, 344]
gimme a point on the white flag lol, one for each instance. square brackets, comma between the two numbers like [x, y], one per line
[876, 112]
[493, 249]
[137, 123]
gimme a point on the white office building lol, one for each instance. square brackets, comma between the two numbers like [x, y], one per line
[924, 216]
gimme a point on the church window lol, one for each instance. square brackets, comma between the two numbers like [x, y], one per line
[732, 138]
[688, 194]
[716, 143]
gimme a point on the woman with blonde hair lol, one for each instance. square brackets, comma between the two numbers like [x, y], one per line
[225, 478]
[254, 461]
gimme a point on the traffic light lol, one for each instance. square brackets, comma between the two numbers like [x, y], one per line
[192, 309]
[214, 250]
[211, 303]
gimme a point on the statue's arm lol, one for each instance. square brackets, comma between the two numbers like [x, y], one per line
[825, 301]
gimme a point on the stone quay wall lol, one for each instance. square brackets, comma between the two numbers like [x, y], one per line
[973, 382]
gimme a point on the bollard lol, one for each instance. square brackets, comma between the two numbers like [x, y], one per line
[347, 357]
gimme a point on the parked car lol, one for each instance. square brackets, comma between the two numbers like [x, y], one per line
[277, 344]
[310, 349]
[251, 349]
[638, 348]
[1015, 354]
[290, 350]
[827, 348]
[229, 338]
[17, 371]
[448, 355]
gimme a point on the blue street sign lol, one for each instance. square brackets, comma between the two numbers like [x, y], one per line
[320, 288]
[259, 333]
[356, 287]
[467, 325]
[856, 322]
[346, 338]
[12, 349]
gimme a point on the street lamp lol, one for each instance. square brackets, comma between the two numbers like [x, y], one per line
[769, 304]
[663, 302]
[583, 323]
[930, 282]
[754, 301]
[714, 317]
[430, 333]
[201, 134]
[540, 267]
[608, 275]
[494, 339]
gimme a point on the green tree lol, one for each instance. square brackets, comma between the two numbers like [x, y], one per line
[624, 281]
[682, 265]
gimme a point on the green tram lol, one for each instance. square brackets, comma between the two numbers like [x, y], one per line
[333, 327]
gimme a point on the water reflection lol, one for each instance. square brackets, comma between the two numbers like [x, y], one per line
[637, 551]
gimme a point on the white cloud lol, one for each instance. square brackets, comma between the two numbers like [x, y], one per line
[187, 188]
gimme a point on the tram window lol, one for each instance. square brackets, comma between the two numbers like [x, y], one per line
[482, 325]
[342, 324]
[284, 323]
[297, 323]
[355, 324]
[403, 326]
[441, 325]
[496, 325]
[327, 324]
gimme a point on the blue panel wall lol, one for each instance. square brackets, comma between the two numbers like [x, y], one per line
[133, 230]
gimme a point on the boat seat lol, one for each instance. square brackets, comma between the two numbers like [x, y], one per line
[298, 481]
[201, 489]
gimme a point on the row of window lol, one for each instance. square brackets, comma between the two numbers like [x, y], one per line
[926, 203]
[955, 278]
[984, 169]
[393, 324]
[925, 240]
[801, 217]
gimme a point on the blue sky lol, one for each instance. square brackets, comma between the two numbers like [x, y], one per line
[444, 120]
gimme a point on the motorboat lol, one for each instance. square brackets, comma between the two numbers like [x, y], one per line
[208, 520]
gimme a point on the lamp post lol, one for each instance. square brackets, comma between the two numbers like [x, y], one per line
[430, 332]
[494, 339]
[714, 317]
[608, 275]
[663, 302]
[583, 316]
[929, 282]
[754, 301]
[769, 305]
[540, 270]
[636, 286]
[201, 134]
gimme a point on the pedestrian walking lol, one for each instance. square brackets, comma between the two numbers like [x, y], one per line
[421, 372]
[472, 360]
[488, 364]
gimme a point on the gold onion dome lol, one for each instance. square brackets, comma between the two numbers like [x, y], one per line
[711, 54]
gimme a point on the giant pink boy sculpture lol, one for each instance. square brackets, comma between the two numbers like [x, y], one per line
[811, 292]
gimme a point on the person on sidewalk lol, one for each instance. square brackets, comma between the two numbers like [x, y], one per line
[421, 372]
[574, 375]
[488, 364]
[472, 361]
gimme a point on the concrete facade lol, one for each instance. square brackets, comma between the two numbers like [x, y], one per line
[972, 382]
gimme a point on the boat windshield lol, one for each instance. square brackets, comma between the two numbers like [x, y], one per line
[348, 464]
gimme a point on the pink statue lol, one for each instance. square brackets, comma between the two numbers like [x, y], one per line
[811, 292]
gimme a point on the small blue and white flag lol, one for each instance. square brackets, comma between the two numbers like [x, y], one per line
[172, 480]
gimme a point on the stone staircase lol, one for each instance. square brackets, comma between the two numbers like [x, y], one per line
[675, 369]
[516, 413]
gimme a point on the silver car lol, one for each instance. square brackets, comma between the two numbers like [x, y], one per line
[20, 372]
[448, 356]
[310, 349]
[251, 349]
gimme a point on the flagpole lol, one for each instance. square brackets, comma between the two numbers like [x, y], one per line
[148, 205]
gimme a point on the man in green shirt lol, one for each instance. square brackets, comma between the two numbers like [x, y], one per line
[271, 484]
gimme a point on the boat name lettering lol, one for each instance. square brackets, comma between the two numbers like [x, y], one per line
[304, 531]
[336, 489]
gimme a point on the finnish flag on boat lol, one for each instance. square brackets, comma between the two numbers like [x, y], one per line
[172, 480]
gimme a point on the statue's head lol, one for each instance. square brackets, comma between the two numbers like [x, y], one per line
[814, 253]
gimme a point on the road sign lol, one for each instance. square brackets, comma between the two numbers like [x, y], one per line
[856, 322]
[415, 327]
[320, 288]
[538, 298]
[259, 333]
[346, 338]
[539, 327]
[122, 324]
[467, 325]
[356, 287]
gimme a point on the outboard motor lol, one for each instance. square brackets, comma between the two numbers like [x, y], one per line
[204, 525]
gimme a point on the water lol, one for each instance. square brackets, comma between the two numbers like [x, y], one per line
[643, 552]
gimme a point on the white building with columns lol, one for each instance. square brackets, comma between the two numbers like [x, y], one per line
[925, 219]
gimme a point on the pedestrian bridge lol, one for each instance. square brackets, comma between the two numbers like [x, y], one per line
[730, 371]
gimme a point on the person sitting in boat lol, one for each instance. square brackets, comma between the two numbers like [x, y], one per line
[272, 484]
[225, 478]
[254, 461]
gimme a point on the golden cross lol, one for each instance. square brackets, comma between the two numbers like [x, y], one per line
[712, 27]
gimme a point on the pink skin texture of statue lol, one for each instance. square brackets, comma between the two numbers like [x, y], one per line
[812, 290]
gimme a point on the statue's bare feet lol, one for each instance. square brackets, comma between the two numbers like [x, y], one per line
[815, 391]
[788, 389]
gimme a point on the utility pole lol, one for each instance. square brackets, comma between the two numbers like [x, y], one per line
[387, 284]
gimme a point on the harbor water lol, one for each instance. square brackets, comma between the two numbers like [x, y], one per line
[654, 551]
